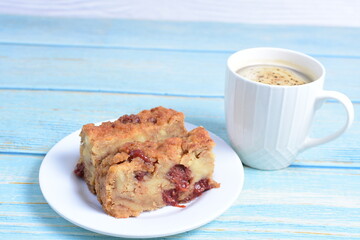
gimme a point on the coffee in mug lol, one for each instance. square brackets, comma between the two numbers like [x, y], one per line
[274, 75]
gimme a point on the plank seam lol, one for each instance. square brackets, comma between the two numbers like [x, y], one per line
[45, 203]
[219, 51]
[51, 232]
[129, 92]
[23, 153]
[110, 91]
[323, 166]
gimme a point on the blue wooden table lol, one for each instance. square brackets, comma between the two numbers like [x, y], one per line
[58, 74]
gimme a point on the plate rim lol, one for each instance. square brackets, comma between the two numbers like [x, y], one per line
[195, 225]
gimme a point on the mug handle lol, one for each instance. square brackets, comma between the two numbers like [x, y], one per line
[311, 142]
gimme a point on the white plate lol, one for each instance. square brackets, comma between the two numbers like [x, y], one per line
[69, 196]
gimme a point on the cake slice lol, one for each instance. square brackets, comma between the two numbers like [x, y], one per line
[144, 176]
[97, 142]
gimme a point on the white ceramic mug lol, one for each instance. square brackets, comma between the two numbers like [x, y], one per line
[268, 125]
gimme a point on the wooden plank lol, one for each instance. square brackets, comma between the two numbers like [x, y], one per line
[234, 230]
[178, 73]
[19, 169]
[112, 70]
[202, 36]
[21, 194]
[336, 13]
[34, 125]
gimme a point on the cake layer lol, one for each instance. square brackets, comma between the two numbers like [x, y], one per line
[144, 176]
[97, 142]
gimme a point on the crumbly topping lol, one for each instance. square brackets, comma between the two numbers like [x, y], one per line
[134, 122]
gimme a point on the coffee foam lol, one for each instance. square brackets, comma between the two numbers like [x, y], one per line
[273, 75]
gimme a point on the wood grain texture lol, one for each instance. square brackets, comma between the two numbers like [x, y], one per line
[150, 72]
[58, 74]
[183, 36]
[321, 12]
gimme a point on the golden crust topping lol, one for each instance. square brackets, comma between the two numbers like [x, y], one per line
[128, 123]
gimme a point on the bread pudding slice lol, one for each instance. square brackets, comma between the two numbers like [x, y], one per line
[144, 176]
[97, 142]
